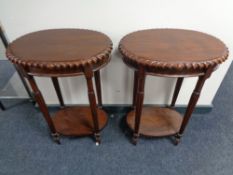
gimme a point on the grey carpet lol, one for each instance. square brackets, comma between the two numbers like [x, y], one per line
[206, 148]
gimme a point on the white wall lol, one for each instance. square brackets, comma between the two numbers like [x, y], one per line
[116, 18]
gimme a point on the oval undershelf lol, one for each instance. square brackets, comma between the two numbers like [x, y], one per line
[77, 121]
[156, 121]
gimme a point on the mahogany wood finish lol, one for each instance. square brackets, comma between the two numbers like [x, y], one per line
[177, 90]
[192, 103]
[58, 91]
[61, 53]
[156, 121]
[135, 86]
[92, 100]
[169, 53]
[98, 87]
[77, 121]
[41, 103]
[172, 52]
[139, 103]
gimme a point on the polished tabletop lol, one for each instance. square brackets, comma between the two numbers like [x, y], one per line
[174, 49]
[60, 49]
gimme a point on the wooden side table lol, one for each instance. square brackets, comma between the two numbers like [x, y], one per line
[62, 53]
[169, 53]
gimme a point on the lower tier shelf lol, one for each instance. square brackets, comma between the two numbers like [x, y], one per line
[156, 121]
[77, 121]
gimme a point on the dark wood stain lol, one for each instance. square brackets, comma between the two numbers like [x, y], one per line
[59, 53]
[170, 53]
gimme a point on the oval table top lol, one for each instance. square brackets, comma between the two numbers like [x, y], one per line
[172, 52]
[60, 51]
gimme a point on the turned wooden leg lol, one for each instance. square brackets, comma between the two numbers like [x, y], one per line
[192, 103]
[2, 106]
[139, 104]
[98, 87]
[58, 91]
[177, 90]
[92, 100]
[135, 86]
[41, 103]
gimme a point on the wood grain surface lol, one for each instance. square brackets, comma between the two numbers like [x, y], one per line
[65, 50]
[77, 121]
[156, 121]
[172, 51]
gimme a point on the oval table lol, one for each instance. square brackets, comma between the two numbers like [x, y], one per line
[168, 53]
[63, 53]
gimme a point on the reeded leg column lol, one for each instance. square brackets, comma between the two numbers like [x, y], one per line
[192, 103]
[135, 86]
[139, 104]
[92, 100]
[176, 91]
[58, 91]
[98, 88]
[40, 100]
[2, 106]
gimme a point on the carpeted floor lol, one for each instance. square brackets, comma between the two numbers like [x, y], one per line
[206, 148]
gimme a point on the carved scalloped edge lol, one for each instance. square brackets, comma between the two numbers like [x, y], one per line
[60, 65]
[137, 60]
